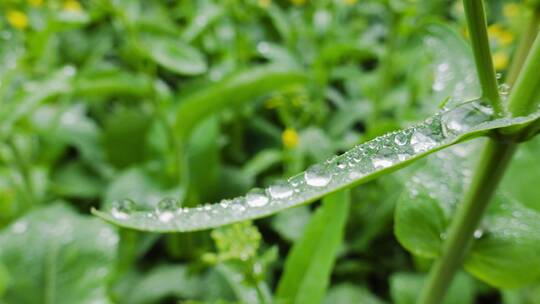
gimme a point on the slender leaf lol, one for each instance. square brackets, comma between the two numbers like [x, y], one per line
[309, 264]
[358, 165]
[237, 89]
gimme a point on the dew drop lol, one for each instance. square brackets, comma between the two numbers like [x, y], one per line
[166, 208]
[122, 209]
[478, 233]
[256, 198]
[421, 142]
[237, 207]
[504, 89]
[317, 176]
[385, 157]
[280, 190]
[401, 139]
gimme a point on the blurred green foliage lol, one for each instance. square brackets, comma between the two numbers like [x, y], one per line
[202, 100]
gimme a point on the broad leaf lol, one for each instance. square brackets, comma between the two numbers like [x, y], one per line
[506, 246]
[358, 165]
[70, 265]
[310, 261]
[174, 55]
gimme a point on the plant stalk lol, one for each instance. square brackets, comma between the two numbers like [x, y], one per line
[477, 26]
[490, 170]
[524, 46]
[495, 158]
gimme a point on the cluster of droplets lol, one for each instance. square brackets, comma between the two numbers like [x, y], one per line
[366, 159]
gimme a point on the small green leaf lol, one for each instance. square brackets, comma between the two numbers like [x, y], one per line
[358, 165]
[174, 55]
[70, 265]
[310, 261]
[505, 250]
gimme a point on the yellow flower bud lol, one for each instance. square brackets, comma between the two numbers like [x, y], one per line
[265, 3]
[17, 19]
[35, 2]
[72, 5]
[500, 60]
[511, 10]
[290, 138]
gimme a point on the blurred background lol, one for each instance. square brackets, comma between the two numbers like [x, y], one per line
[103, 100]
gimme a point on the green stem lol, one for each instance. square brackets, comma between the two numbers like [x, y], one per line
[494, 160]
[477, 26]
[522, 100]
[525, 45]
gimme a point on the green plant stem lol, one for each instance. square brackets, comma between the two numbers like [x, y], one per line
[477, 26]
[523, 98]
[525, 45]
[494, 160]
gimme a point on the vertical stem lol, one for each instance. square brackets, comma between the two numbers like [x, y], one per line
[477, 26]
[522, 98]
[524, 46]
[494, 160]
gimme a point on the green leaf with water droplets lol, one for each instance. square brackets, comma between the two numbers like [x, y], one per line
[506, 246]
[364, 162]
[44, 269]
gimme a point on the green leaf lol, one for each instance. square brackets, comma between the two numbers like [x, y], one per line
[309, 263]
[239, 88]
[174, 55]
[358, 165]
[505, 250]
[405, 288]
[113, 82]
[70, 265]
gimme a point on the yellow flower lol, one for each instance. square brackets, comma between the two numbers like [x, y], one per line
[290, 138]
[17, 19]
[72, 5]
[500, 60]
[298, 2]
[35, 2]
[499, 34]
[511, 10]
[506, 37]
[265, 3]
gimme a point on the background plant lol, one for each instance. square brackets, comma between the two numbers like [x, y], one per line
[196, 102]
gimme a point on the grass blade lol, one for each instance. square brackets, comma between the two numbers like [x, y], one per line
[309, 264]
[364, 162]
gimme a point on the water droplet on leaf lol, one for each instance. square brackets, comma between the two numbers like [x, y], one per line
[317, 176]
[166, 208]
[256, 198]
[280, 190]
[122, 209]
